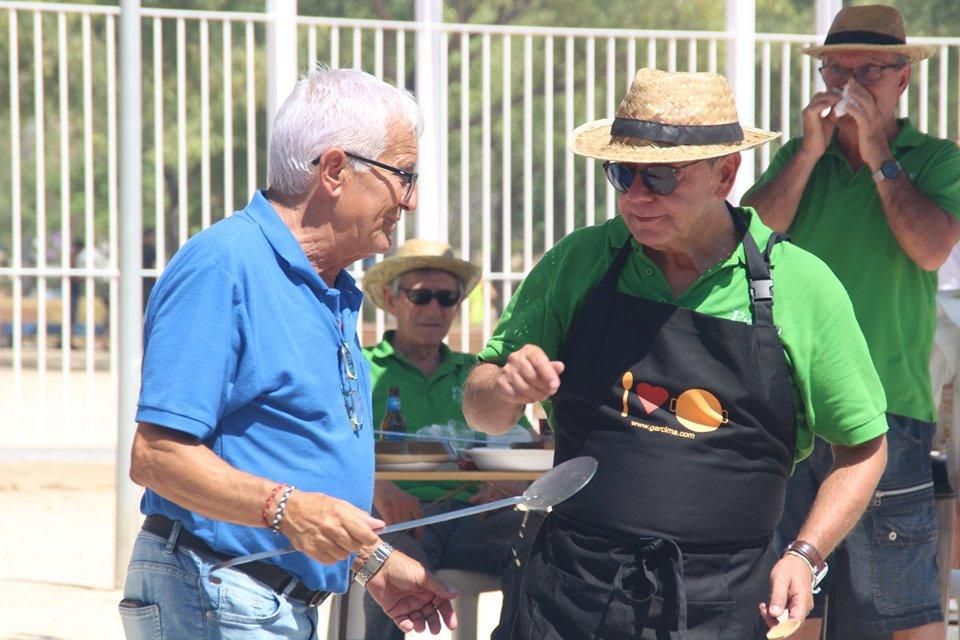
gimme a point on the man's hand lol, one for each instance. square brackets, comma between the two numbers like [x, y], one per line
[413, 598]
[818, 130]
[871, 132]
[790, 588]
[529, 376]
[327, 529]
[393, 504]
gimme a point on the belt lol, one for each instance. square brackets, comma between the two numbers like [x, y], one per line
[268, 574]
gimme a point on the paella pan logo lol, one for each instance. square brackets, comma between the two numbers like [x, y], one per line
[696, 409]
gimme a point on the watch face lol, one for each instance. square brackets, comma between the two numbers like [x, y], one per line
[890, 169]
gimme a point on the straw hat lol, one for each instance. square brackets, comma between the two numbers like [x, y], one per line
[872, 27]
[416, 254]
[669, 117]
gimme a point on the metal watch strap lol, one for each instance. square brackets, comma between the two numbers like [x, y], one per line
[373, 563]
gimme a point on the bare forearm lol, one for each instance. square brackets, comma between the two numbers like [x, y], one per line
[844, 494]
[777, 201]
[188, 473]
[926, 232]
[483, 404]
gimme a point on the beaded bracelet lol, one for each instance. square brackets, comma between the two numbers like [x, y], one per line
[266, 505]
[281, 507]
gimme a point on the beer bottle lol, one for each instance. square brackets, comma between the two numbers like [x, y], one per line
[392, 420]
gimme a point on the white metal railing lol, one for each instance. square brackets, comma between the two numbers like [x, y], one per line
[508, 187]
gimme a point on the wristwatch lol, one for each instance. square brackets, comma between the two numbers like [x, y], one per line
[889, 170]
[809, 554]
[373, 564]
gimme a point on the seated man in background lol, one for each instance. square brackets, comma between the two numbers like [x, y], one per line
[422, 286]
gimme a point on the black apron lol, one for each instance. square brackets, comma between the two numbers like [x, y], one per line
[692, 419]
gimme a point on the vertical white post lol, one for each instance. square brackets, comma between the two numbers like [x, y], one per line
[431, 211]
[741, 65]
[281, 54]
[823, 17]
[131, 286]
[825, 11]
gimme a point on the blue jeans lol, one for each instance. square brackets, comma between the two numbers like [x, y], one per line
[167, 596]
[483, 543]
[883, 576]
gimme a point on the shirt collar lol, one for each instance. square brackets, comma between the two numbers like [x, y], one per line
[617, 234]
[907, 137]
[285, 245]
[385, 350]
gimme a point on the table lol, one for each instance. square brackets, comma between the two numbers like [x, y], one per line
[452, 472]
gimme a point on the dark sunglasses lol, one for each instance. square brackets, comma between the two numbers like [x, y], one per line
[444, 297]
[658, 178]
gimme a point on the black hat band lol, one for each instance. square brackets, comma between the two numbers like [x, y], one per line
[862, 37]
[677, 133]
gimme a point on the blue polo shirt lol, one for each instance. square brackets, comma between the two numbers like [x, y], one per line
[242, 350]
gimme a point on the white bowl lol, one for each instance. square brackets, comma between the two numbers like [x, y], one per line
[492, 459]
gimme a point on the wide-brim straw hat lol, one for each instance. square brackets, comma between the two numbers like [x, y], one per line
[669, 117]
[414, 254]
[872, 27]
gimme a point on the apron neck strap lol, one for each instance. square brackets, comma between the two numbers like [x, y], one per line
[758, 270]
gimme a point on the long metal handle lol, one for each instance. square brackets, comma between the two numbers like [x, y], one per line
[451, 515]
[426, 437]
[393, 528]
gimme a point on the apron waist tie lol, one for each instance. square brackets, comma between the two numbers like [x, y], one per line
[663, 557]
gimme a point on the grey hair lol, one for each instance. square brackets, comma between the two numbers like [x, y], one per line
[347, 109]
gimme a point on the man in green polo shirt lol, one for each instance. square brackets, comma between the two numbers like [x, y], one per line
[422, 286]
[695, 357]
[877, 200]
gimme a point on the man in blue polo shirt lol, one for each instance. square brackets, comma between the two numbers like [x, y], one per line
[255, 428]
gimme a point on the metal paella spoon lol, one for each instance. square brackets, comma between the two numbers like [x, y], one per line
[553, 487]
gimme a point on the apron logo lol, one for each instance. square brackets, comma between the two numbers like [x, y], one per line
[651, 397]
[697, 410]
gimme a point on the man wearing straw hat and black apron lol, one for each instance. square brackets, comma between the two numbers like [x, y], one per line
[656, 340]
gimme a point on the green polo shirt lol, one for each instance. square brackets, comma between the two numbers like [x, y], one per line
[840, 219]
[838, 394]
[424, 400]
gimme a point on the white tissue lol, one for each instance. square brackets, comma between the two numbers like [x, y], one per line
[840, 108]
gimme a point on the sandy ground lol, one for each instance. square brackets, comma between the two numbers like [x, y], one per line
[57, 550]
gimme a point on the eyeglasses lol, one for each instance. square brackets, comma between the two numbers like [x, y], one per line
[350, 387]
[865, 74]
[658, 178]
[407, 177]
[421, 297]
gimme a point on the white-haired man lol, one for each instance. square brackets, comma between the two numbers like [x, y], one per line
[255, 428]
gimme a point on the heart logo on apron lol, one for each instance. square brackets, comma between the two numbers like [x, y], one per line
[651, 397]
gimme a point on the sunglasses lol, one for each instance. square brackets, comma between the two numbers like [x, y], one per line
[350, 387]
[420, 297]
[658, 178]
